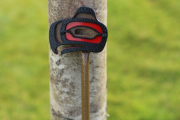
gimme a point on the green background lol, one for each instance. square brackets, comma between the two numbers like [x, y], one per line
[143, 60]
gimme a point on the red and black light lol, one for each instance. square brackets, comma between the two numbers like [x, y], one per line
[93, 44]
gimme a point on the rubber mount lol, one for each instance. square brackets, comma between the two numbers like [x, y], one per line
[95, 44]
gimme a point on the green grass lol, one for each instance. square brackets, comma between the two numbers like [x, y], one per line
[143, 60]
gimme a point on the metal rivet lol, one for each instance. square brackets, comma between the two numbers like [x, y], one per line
[104, 35]
[63, 32]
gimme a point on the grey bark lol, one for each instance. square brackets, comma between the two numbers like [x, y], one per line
[65, 70]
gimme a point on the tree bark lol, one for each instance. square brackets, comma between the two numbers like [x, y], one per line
[65, 70]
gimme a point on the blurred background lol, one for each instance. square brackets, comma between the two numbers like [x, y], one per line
[143, 60]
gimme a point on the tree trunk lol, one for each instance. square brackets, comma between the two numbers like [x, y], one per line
[65, 70]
